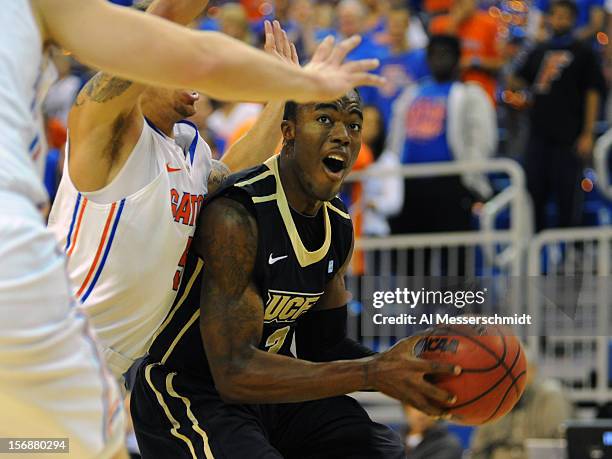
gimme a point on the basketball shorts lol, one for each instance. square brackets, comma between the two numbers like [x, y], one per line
[52, 381]
[181, 416]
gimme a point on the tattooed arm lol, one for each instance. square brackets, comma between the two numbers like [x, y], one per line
[106, 121]
[231, 325]
[218, 174]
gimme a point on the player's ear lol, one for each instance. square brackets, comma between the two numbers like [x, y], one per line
[288, 130]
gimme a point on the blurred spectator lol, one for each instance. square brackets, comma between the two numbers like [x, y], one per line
[62, 93]
[382, 195]
[512, 111]
[428, 438]
[376, 16]
[234, 22]
[590, 18]
[442, 120]
[565, 79]
[538, 414]
[352, 16]
[354, 201]
[402, 67]
[227, 118]
[481, 43]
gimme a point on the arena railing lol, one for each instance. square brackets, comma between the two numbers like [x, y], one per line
[573, 345]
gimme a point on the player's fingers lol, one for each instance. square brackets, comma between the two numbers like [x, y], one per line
[366, 79]
[278, 36]
[294, 55]
[435, 393]
[340, 51]
[364, 65]
[286, 46]
[432, 367]
[269, 45]
[324, 49]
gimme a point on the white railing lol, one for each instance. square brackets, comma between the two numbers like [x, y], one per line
[514, 197]
[573, 347]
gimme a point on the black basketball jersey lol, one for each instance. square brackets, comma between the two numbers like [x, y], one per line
[291, 270]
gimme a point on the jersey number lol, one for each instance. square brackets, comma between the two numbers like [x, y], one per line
[276, 340]
[176, 282]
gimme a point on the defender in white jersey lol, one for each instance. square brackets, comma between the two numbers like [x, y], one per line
[52, 383]
[126, 239]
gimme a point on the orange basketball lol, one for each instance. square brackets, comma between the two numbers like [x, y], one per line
[494, 369]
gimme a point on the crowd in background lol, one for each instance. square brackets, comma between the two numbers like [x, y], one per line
[507, 49]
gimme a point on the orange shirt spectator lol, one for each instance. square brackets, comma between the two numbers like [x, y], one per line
[480, 47]
[364, 159]
[242, 129]
[437, 6]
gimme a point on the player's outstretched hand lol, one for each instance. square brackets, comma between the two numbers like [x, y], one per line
[278, 44]
[336, 76]
[399, 374]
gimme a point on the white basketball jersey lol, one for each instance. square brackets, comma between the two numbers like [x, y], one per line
[24, 78]
[125, 258]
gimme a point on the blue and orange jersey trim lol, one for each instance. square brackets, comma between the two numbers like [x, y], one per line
[104, 247]
[77, 217]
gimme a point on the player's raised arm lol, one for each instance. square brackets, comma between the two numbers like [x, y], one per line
[231, 320]
[106, 97]
[154, 51]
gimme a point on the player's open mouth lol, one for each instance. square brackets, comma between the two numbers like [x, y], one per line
[334, 163]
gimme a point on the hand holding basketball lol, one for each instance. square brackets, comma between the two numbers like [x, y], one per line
[399, 374]
[494, 369]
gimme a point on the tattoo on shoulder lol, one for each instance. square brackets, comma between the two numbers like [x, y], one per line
[218, 173]
[102, 88]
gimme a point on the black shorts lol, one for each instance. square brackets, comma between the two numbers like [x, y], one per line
[177, 416]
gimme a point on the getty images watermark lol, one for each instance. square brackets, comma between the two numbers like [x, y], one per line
[406, 298]
[399, 306]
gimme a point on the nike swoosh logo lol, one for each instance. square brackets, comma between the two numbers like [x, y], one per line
[172, 169]
[273, 260]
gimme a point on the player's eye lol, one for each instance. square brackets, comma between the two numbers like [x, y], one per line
[355, 127]
[324, 119]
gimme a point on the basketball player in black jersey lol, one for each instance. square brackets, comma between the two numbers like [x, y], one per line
[268, 261]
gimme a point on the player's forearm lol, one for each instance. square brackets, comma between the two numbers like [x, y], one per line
[245, 73]
[178, 11]
[154, 51]
[260, 142]
[590, 111]
[270, 378]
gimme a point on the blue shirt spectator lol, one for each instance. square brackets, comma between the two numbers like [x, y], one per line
[401, 68]
[426, 122]
[399, 71]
